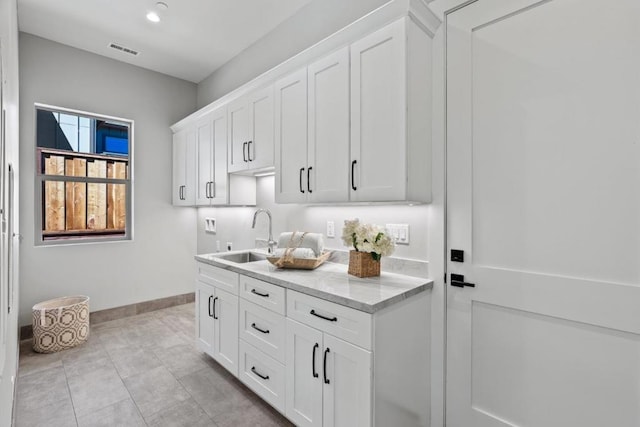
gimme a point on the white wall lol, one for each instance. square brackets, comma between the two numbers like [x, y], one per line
[9, 55]
[312, 23]
[159, 261]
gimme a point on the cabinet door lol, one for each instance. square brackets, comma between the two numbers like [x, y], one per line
[204, 144]
[347, 388]
[304, 374]
[291, 138]
[328, 133]
[179, 164]
[260, 145]
[184, 167]
[225, 311]
[238, 135]
[378, 115]
[204, 317]
[218, 190]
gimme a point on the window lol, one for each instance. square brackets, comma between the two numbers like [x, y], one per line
[83, 176]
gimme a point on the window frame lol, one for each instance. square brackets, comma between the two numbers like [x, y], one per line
[40, 178]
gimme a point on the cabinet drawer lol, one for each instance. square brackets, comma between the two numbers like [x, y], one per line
[262, 328]
[263, 375]
[263, 293]
[219, 277]
[343, 322]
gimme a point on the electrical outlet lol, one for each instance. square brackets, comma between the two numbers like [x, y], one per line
[217, 245]
[331, 229]
[399, 232]
[229, 246]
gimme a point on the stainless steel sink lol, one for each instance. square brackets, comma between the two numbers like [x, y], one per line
[242, 257]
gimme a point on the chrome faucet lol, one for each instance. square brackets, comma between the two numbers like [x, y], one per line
[270, 243]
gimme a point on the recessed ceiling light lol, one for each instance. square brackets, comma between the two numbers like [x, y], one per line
[153, 17]
[162, 5]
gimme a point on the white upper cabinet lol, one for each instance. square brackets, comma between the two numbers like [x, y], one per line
[312, 132]
[211, 183]
[291, 138]
[251, 132]
[328, 132]
[390, 115]
[347, 120]
[184, 167]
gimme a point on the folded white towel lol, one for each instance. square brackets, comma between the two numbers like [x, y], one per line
[297, 253]
[313, 241]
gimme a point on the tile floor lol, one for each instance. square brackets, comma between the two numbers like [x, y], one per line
[137, 371]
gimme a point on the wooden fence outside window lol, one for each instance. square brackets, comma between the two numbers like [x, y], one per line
[83, 194]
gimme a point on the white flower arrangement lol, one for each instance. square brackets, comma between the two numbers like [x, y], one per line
[368, 238]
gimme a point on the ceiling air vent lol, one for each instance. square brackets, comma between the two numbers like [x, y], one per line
[123, 49]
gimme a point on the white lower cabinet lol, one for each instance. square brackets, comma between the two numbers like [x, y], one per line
[313, 360]
[328, 379]
[217, 320]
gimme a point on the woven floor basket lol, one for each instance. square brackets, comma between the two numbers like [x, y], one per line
[361, 264]
[60, 323]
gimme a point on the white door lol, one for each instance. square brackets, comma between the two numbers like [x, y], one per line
[179, 163]
[347, 384]
[260, 145]
[328, 133]
[204, 143]
[378, 115]
[204, 317]
[291, 138]
[238, 135]
[225, 314]
[543, 100]
[304, 374]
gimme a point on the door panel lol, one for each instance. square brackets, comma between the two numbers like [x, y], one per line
[219, 144]
[347, 395]
[304, 389]
[260, 148]
[543, 197]
[378, 115]
[226, 330]
[291, 138]
[328, 142]
[204, 321]
[238, 135]
[204, 159]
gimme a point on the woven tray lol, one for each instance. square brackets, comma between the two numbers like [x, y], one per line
[303, 263]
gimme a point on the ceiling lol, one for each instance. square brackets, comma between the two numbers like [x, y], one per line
[193, 38]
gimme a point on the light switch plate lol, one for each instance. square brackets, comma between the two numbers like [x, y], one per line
[399, 232]
[210, 225]
[331, 229]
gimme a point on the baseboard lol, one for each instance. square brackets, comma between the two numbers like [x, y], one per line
[100, 316]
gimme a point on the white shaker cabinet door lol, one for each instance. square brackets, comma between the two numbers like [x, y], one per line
[378, 170]
[184, 165]
[291, 138]
[204, 317]
[225, 314]
[205, 149]
[347, 384]
[304, 374]
[260, 142]
[328, 132]
[238, 137]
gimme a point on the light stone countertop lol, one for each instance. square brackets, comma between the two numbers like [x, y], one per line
[331, 282]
